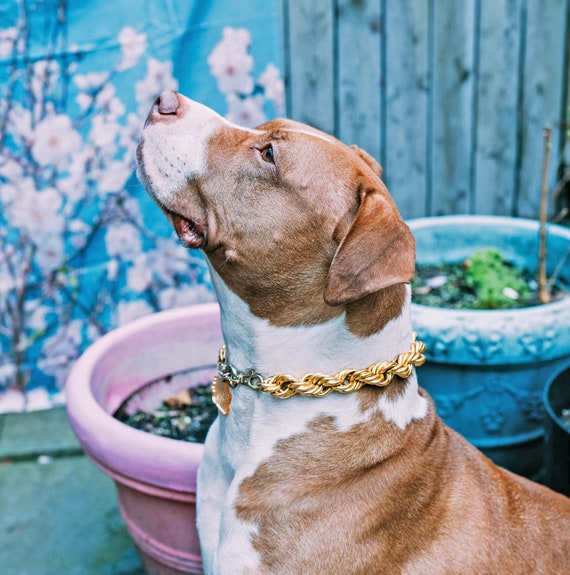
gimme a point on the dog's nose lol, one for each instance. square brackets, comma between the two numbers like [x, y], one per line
[168, 103]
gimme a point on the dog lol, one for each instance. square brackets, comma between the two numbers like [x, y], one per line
[311, 263]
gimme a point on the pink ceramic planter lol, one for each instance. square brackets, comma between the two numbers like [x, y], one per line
[155, 476]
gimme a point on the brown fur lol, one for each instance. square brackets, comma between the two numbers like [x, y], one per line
[378, 251]
[419, 500]
[284, 266]
[374, 499]
[302, 241]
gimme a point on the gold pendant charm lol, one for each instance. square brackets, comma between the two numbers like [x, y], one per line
[221, 394]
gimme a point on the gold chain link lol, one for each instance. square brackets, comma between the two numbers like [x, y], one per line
[346, 381]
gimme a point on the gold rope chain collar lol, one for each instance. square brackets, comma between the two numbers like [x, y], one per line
[314, 384]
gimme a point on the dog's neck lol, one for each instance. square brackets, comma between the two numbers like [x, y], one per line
[257, 420]
[327, 347]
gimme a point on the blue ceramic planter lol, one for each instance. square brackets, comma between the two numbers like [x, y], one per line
[557, 445]
[486, 370]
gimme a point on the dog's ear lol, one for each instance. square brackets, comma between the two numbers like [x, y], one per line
[372, 163]
[377, 251]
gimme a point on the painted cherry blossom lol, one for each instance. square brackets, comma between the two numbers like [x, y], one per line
[140, 275]
[273, 86]
[133, 46]
[36, 213]
[123, 241]
[231, 64]
[50, 254]
[245, 111]
[62, 189]
[55, 140]
[8, 39]
[77, 254]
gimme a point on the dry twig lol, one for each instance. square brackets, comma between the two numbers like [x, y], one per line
[543, 290]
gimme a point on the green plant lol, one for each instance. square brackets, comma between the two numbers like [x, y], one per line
[496, 282]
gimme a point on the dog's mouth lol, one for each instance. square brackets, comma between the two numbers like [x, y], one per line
[190, 232]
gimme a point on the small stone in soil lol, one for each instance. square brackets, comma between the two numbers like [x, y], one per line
[565, 417]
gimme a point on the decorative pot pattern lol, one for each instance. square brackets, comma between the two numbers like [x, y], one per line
[493, 388]
[486, 369]
[497, 337]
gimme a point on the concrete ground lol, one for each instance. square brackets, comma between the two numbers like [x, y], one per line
[58, 512]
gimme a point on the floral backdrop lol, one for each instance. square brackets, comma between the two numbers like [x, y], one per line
[82, 248]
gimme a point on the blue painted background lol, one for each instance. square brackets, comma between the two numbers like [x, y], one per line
[82, 247]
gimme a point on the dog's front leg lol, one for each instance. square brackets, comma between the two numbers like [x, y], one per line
[212, 486]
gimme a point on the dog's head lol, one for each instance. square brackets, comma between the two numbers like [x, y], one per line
[295, 222]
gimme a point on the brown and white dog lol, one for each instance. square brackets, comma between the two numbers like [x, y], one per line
[311, 260]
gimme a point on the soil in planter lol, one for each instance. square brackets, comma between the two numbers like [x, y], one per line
[186, 416]
[484, 281]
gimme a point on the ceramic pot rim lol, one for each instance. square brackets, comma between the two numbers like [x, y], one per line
[135, 454]
[493, 337]
[490, 221]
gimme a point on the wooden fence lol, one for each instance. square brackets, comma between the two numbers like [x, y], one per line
[451, 96]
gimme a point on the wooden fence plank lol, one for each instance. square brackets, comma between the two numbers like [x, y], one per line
[407, 85]
[450, 96]
[359, 74]
[542, 85]
[453, 115]
[497, 100]
[311, 67]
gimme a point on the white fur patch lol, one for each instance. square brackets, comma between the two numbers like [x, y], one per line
[309, 133]
[175, 150]
[324, 348]
[406, 408]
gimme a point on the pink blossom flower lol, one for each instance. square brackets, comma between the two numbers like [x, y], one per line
[133, 46]
[50, 253]
[123, 240]
[91, 81]
[61, 347]
[273, 86]
[245, 111]
[114, 177]
[231, 63]
[20, 122]
[139, 275]
[35, 212]
[46, 74]
[55, 140]
[7, 41]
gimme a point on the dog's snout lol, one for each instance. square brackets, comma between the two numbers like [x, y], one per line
[168, 103]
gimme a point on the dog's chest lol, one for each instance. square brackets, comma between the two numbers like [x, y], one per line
[301, 478]
[258, 424]
[249, 446]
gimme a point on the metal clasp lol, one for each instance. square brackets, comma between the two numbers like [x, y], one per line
[234, 377]
[252, 379]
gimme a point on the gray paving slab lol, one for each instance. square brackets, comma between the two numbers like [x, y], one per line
[25, 435]
[58, 512]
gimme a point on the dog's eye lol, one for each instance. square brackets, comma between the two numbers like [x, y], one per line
[267, 154]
